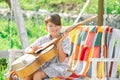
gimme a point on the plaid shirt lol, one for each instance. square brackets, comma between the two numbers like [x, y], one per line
[54, 63]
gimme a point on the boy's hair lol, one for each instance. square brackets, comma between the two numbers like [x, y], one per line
[54, 18]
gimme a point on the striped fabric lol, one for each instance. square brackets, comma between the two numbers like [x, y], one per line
[88, 42]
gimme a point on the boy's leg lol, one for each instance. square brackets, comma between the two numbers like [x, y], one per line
[28, 78]
[39, 75]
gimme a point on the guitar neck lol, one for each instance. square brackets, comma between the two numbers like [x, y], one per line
[54, 41]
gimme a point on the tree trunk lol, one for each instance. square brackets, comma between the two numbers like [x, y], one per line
[8, 2]
[19, 22]
[100, 12]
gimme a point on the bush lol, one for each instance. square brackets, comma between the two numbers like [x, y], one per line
[3, 68]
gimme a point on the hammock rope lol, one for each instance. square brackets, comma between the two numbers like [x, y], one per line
[81, 12]
[103, 69]
[105, 10]
[10, 28]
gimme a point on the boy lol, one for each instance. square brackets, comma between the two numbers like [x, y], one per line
[58, 65]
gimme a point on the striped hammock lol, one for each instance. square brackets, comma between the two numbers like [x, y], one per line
[89, 42]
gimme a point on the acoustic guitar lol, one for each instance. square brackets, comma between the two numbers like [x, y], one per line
[28, 63]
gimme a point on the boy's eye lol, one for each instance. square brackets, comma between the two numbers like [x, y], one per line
[50, 26]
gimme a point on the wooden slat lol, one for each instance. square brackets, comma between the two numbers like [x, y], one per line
[4, 54]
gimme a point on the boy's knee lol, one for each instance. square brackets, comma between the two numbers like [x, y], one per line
[28, 78]
[38, 75]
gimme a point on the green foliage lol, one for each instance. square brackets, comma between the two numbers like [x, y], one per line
[2, 74]
[3, 68]
[67, 22]
[9, 33]
[69, 6]
[3, 63]
[35, 30]
[1, 0]
[3, 4]
[28, 4]
[92, 7]
[113, 7]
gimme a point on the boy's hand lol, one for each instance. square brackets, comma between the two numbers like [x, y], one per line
[32, 49]
[64, 35]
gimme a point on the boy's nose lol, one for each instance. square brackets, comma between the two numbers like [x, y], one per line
[54, 27]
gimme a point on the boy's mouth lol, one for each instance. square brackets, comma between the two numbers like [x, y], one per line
[55, 31]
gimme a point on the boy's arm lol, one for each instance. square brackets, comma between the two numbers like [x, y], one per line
[61, 54]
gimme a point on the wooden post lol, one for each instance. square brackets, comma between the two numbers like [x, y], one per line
[100, 12]
[20, 23]
[8, 2]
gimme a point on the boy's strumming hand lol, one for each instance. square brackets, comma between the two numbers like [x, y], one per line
[32, 49]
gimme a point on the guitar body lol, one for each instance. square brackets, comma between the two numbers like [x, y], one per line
[28, 63]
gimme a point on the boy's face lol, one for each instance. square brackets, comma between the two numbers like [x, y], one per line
[53, 29]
